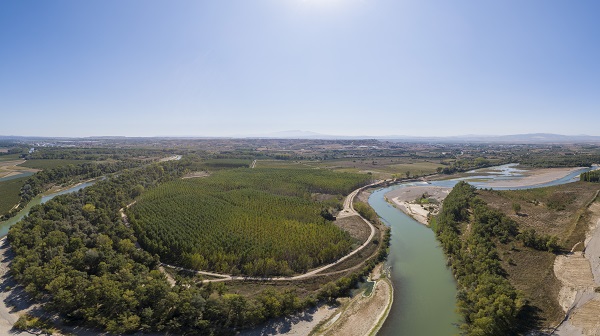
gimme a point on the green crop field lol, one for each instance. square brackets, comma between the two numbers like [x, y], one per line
[249, 221]
[10, 157]
[9, 193]
[284, 164]
[381, 167]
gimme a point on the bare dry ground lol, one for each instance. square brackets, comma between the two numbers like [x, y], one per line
[10, 168]
[299, 324]
[355, 226]
[196, 175]
[13, 300]
[578, 273]
[561, 211]
[405, 200]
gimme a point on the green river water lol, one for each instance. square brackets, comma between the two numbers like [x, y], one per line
[424, 288]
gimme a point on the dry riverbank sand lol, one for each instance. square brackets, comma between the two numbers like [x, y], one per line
[533, 177]
[12, 303]
[404, 199]
[579, 273]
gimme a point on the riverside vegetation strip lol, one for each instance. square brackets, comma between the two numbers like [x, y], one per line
[487, 242]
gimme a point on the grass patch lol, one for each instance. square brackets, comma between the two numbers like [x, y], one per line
[383, 167]
[10, 157]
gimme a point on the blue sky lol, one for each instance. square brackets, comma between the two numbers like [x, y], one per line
[342, 67]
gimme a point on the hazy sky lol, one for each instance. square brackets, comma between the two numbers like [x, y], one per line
[343, 67]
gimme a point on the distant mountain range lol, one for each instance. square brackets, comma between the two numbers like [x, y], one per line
[515, 138]
[531, 138]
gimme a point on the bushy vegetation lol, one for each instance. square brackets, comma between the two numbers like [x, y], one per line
[542, 243]
[556, 160]
[462, 165]
[41, 181]
[366, 211]
[468, 231]
[591, 176]
[245, 221]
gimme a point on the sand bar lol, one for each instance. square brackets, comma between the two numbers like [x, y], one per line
[533, 177]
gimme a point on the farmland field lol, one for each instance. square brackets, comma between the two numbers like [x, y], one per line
[380, 167]
[10, 193]
[253, 222]
[51, 163]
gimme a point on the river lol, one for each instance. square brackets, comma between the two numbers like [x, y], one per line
[40, 199]
[424, 287]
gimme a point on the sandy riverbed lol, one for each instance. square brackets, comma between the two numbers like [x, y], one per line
[533, 177]
[404, 199]
[12, 302]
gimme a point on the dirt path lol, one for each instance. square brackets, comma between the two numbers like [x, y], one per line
[579, 272]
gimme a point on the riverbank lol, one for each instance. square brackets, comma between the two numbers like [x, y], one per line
[579, 273]
[12, 298]
[533, 177]
[363, 314]
[407, 199]
[360, 315]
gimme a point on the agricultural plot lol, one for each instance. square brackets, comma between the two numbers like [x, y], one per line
[9, 190]
[255, 222]
[383, 167]
[51, 163]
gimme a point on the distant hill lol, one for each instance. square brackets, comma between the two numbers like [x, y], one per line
[530, 138]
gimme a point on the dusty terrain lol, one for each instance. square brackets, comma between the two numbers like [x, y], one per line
[10, 168]
[579, 273]
[13, 303]
[299, 324]
[405, 199]
[355, 226]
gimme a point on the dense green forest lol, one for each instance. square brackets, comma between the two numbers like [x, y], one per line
[468, 231]
[96, 154]
[75, 254]
[245, 221]
[557, 160]
[41, 181]
[591, 176]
